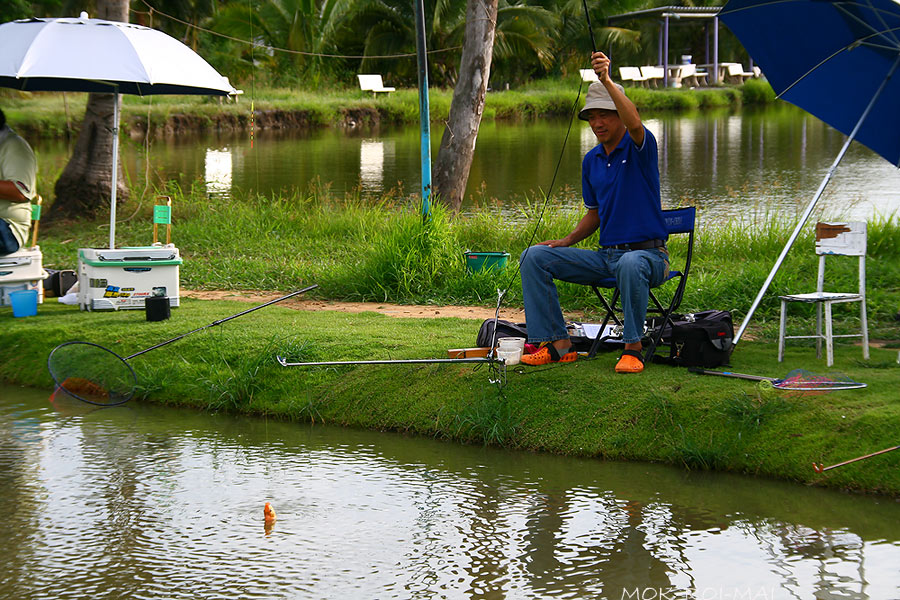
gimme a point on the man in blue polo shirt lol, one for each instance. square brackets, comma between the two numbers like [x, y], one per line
[620, 187]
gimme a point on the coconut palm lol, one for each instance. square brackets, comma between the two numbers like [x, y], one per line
[292, 33]
[523, 33]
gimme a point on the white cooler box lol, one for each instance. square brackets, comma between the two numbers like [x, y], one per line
[122, 278]
[22, 270]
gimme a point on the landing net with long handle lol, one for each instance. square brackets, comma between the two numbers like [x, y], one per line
[798, 379]
[97, 375]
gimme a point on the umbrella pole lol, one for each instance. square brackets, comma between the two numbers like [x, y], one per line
[812, 205]
[115, 170]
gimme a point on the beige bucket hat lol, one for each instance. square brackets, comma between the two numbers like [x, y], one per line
[598, 97]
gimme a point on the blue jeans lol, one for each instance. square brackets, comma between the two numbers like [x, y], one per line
[636, 271]
[8, 242]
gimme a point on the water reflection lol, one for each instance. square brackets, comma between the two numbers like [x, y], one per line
[730, 165]
[372, 156]
[149, 502]
[218, 171]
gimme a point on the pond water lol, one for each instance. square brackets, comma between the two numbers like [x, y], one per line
[149, 502]
[749, 162]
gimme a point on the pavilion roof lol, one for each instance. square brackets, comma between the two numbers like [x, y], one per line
[677, 12]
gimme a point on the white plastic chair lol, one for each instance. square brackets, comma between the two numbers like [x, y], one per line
[690, 77]
[373, 83]
[832, 239]
[736, 74]
[632, 74]
[653, 75]
[588, 75]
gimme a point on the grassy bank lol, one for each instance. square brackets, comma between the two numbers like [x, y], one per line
[51, 114]
[357, 251]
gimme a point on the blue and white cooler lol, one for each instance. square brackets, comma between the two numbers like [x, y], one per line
[122, 278]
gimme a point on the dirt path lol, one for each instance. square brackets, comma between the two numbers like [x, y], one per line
[393, 310]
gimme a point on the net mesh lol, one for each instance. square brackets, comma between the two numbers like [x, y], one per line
[92, 373]
[801, 379]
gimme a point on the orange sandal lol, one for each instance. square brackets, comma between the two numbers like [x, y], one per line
[548, 354]
[631, 361]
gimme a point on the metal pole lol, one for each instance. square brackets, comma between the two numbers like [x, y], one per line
[659, 44]
[665, 58]
[812, 204]
[424, 111]
[713, 77]
[115, 169]
[413, 361]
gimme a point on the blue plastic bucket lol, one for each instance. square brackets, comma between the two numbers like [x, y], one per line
[482, 261]
[24, 303]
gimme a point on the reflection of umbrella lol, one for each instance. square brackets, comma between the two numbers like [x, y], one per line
[833, 58]
[94, 55]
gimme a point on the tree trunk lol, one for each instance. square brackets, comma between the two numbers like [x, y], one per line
[454, 159]
[85, 186]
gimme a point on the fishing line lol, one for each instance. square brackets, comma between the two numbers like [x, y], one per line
[502, 294]
[252, 95]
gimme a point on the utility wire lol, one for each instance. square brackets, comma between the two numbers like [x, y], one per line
[154, 11]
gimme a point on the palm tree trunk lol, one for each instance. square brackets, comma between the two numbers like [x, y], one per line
[454, 159]
[85, 185]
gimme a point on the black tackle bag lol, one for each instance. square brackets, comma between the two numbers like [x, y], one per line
[509, 329]
[504, 329]
[57, 283]
[701, 339]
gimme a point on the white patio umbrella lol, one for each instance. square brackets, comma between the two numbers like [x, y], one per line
[95, 55]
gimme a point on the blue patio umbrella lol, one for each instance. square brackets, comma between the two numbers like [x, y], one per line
[835, 59]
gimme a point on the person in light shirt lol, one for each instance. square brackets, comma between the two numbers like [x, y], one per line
[18, 171]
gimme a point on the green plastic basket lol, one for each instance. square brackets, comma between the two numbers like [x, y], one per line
[482, 261]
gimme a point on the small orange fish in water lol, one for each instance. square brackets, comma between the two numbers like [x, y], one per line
[269, 513]
[85, 388]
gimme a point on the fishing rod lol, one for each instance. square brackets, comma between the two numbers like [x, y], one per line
[587, 15]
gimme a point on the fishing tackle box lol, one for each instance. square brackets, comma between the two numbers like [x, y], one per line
[122, 278]
[22, 270]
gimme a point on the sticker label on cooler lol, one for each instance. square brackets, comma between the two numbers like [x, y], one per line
[121, 292]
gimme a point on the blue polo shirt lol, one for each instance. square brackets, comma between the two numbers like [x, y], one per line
[624, 188]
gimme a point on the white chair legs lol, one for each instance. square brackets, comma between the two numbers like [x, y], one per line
[829, 335]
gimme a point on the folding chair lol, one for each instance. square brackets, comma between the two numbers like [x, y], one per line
[832, 239]
[678, 221]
